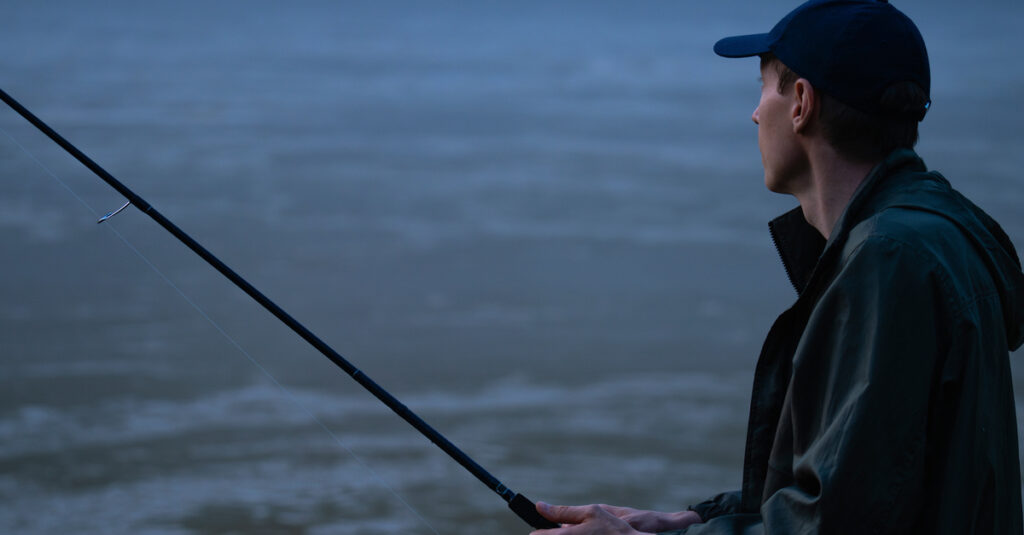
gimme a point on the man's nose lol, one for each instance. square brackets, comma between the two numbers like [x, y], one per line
[753, 116]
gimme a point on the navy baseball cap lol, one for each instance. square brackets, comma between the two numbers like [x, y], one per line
[850, 49]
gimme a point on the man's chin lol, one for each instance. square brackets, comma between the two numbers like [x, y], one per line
[774, 185]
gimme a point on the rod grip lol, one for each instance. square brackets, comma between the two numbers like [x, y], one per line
[525, 509]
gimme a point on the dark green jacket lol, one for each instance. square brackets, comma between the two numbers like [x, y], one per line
[882, 399]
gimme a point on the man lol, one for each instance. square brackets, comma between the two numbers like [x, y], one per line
[882, 399]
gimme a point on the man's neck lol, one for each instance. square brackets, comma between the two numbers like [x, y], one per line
[832, 183]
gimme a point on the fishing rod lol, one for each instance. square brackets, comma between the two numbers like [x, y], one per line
[518, 503]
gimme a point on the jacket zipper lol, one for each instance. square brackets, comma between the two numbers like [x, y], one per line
[785, 265]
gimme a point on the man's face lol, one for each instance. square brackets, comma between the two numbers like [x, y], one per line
[781, 155]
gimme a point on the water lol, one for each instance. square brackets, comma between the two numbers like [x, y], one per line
[540, 225]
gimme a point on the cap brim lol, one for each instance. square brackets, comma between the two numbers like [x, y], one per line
[743, 46]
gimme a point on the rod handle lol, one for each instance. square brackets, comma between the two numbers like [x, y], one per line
[527, 510]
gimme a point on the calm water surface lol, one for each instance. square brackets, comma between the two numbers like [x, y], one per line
[540, 225]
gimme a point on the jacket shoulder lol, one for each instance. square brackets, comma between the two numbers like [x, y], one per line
[950, 250]
[917, 233]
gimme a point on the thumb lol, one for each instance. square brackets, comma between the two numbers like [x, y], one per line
[566, 514]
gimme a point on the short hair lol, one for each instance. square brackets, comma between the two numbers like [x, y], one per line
[856, 134]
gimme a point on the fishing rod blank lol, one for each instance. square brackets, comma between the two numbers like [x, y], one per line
[518, 503]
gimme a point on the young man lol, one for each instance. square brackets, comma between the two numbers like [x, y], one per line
[882, 399]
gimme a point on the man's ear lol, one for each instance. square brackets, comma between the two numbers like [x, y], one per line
[805, 105]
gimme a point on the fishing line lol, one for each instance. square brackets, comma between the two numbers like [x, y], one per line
[519, 504]
[288, 393]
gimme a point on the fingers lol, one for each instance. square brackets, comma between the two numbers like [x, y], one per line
[585, 520]
[549, 512]
[572, 516]
[620, 512]
[566, 514]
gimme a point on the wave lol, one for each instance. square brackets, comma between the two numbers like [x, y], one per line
[39, 429]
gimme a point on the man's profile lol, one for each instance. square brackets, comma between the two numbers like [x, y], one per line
[882, 400]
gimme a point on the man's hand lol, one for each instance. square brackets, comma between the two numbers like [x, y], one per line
[582, 520]
[653, 521]
[610, 520]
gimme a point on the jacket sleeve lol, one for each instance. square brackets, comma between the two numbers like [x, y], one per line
[848, 455]
[721, 504]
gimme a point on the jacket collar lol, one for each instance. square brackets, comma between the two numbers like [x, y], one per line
[801, 246]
